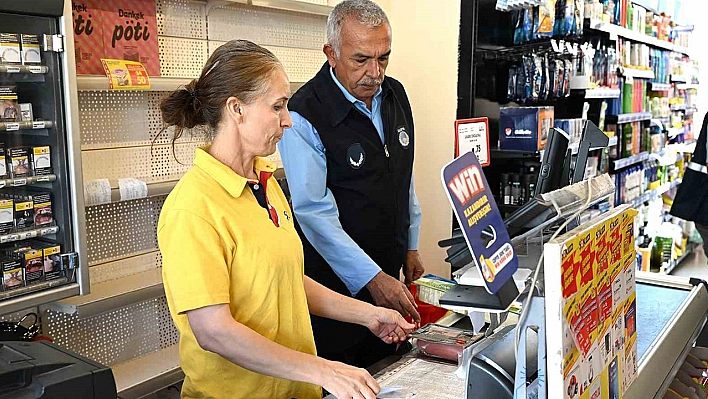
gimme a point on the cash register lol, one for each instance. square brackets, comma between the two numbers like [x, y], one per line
[41, 370]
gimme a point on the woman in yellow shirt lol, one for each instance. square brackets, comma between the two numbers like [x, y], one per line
[232, 261]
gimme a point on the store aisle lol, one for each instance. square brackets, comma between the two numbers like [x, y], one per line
[695, 265]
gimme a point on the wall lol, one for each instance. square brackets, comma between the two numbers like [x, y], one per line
[424, 59]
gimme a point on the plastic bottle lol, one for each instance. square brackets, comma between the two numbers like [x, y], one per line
[504, 189]
[515, 189]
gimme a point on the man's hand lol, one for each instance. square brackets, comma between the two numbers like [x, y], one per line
[413, 269]
[391, 293]
[388, 325]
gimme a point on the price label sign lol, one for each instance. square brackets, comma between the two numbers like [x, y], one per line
[38, 125]
[473, 135]
[126, 75]
[13, 69]
[11, 127]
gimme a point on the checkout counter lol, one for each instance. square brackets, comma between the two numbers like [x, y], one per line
[671, 314]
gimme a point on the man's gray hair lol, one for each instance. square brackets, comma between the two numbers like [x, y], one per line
[365, 12]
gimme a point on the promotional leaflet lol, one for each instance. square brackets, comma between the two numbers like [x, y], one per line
[591, 309]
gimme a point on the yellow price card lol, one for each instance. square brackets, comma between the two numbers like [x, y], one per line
[126, 75]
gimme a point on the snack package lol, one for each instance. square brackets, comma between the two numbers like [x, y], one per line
[444, 342]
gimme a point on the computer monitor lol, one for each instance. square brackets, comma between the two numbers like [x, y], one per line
[552, 173]
[593, 139]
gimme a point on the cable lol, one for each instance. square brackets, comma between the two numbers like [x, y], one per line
[524, 310]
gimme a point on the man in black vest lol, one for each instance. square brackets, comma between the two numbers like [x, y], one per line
[349, 164]
[691, 202]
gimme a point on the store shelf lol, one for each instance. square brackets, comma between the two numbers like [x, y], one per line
[99, 82]
[24, 235]
[509, 154]
[145, 375]
[155, 189]
[629, 118]
[687, 86]
[660, 86]
[26, 181]
[637, 73]
[602, 93]
[34, 299]
[115, 294]
[656, 193]
[618, 31]
[293, 5]
[17, 126]
[37, 69]
[157, 83]
[629, 161]
[679, 79]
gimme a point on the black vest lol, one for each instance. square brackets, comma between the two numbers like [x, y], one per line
[370, 182]
[691, 202]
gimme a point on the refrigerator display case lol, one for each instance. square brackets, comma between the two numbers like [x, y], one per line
[42, 238]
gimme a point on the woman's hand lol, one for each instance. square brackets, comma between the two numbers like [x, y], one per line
[389, 325]
[347, 382]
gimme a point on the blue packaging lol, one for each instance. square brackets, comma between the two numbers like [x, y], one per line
[524, 128]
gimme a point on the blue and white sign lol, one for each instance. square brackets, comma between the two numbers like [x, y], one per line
[480, 221]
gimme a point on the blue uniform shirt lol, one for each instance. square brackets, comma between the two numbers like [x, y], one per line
[314, 205]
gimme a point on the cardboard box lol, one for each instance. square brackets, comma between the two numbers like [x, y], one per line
[7, 216]
[33, 263]
[24, 213]
[88, 37]
[10, 48]
[52, 261]
[41, 161]
[20, 165]
[524, 128]
[13, 274]
[26, 114]
[9, 110]
[30, 49]
[3, 162]
[43, 207]
[130, 32]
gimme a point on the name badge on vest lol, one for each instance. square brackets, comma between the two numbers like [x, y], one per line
[356, 156]
[403, 137]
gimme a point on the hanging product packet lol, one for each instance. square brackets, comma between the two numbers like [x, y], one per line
[546, 19]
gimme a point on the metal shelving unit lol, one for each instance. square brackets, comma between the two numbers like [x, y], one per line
[619, 31]
[114, 294]
[147, 374]
[660, 86]
[629, 118]
[637, 73]
[629, 161]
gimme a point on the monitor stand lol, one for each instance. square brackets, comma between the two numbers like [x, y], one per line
[476, 298]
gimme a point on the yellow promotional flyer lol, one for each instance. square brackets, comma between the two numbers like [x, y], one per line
[596, 291]
[126, 75]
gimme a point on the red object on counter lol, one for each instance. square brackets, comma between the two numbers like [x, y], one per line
[428, 313]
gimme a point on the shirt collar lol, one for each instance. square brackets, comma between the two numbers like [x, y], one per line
[232, 182]
[349, 95]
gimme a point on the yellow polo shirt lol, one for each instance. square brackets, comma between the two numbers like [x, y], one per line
[219, 246]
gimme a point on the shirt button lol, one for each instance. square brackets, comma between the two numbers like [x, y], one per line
[255, 187]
